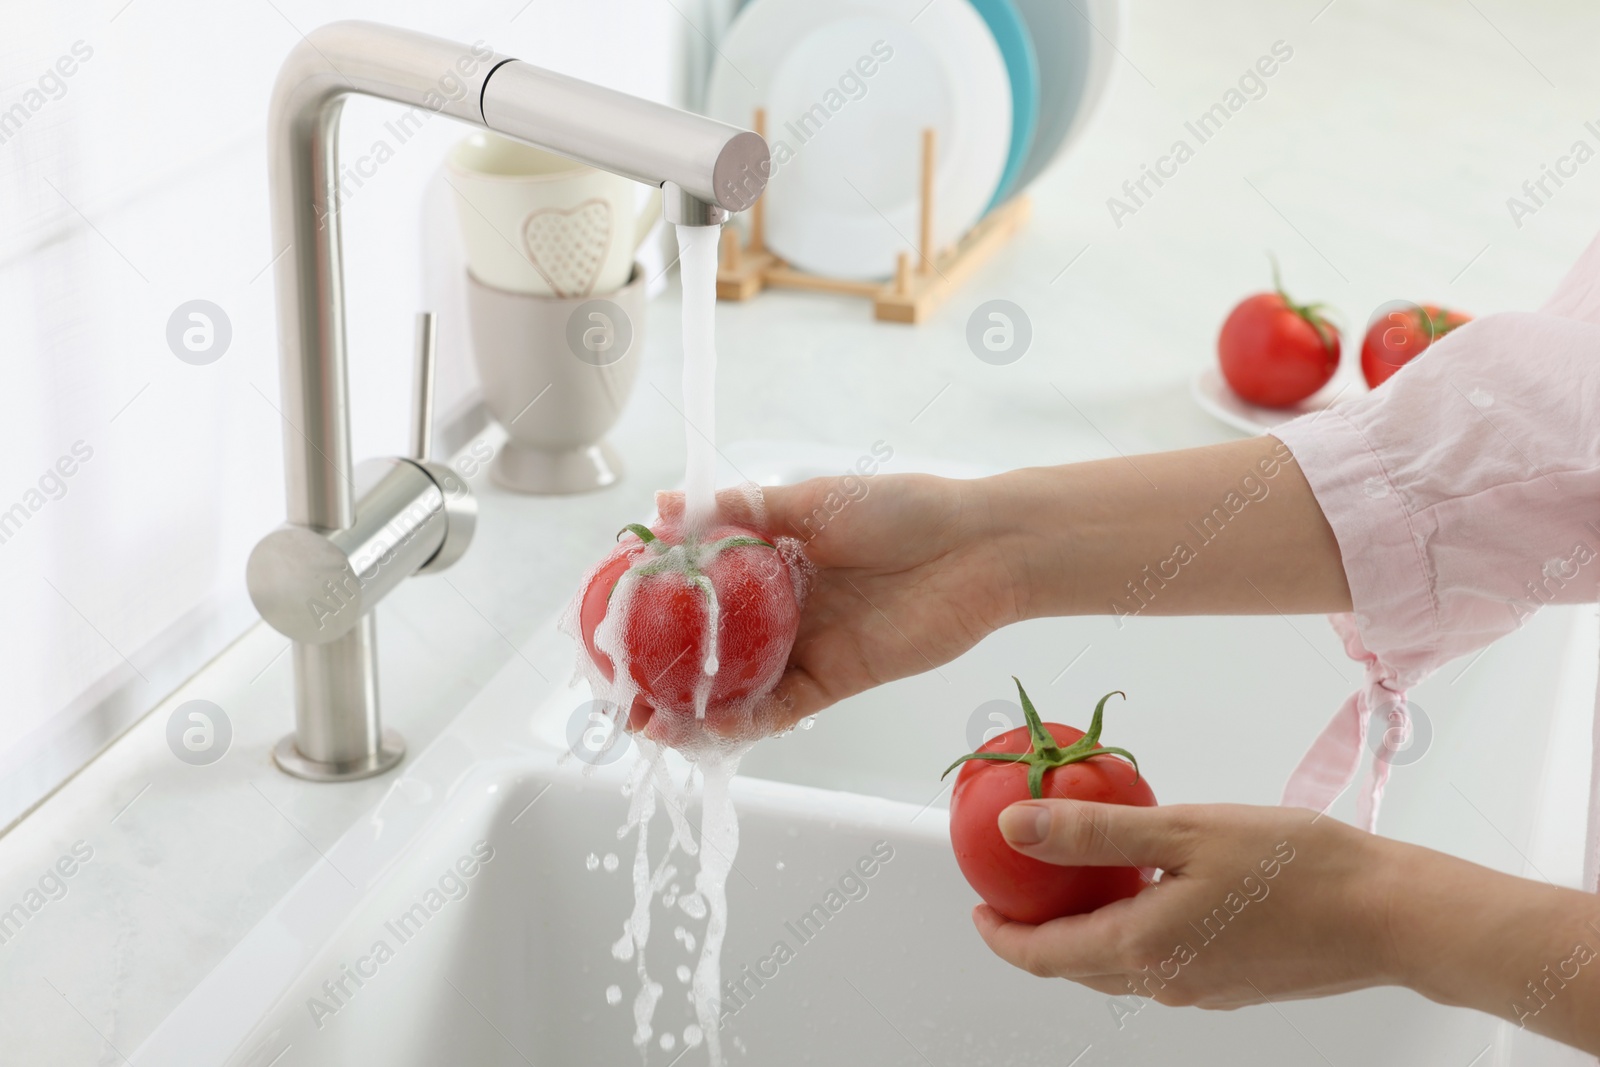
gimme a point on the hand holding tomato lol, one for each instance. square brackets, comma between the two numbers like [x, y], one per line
[1253, 903]
[1041, 760]
[1275, 352]
[910, 573]
[1400, 335]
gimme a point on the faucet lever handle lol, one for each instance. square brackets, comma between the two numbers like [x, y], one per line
[422, 399]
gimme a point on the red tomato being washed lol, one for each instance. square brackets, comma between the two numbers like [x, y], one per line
[674, 588]
[1275, 352]
[1058, 761]
[1401, 335]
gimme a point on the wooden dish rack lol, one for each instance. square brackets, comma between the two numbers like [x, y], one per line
[916, 290]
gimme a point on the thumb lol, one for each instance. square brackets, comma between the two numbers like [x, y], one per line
[1076, 833]
[669, 504]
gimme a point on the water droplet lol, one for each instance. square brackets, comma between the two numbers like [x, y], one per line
[1481, 398]
[610, 862]
[1560, 569]
[808, 722]
[1376, 487]
[683, 973]
[692, 1036]
[667, 1042]
[592, 862]
[613, 995]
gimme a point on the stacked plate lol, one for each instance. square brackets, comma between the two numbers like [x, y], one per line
[849, 86]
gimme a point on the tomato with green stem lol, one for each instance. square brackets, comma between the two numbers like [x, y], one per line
[1275, 352]
[1038, 761]
[1401, 335]
[704, 623]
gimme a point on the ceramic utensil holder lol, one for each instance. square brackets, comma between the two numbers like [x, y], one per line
[556, 372]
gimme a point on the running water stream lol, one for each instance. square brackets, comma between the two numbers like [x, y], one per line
[650, 786]
[697, 269]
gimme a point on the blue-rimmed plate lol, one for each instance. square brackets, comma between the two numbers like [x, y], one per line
[1012, 34]
[1074, 41]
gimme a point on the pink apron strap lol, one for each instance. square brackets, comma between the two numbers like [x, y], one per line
[1334, 759]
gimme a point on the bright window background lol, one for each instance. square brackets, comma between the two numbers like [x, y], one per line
[136, 184]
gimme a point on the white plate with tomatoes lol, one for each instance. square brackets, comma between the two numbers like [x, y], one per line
[1279, 360]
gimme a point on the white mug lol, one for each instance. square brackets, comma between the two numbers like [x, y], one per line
[535, 222]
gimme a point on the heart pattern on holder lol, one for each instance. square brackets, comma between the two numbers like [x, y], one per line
[568, 246]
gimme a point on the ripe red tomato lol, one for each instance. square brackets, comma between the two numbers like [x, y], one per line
[1401, 335]
[1275, 352]
[674, 588]
[1067, 763]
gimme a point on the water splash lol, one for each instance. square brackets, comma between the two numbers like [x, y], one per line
[654, 790]
[719, 843]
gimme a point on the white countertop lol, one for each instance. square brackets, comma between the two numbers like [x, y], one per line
[1376, 167]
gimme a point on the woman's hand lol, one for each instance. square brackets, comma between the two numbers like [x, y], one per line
[1262, 904]
[909, 575]
[1252, 904]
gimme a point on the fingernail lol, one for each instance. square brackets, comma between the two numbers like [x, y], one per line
[1025, 824]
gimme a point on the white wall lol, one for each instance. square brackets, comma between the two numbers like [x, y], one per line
[136, 184]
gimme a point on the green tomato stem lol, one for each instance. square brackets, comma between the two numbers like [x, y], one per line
[1044, 753]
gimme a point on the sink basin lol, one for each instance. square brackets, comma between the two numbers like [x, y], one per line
[511, 967]
[462, 922]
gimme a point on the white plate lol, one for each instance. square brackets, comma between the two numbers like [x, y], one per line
[847, 148]
[1076, 45]
[1214, 396]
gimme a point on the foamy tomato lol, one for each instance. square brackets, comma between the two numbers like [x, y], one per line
[704, 624]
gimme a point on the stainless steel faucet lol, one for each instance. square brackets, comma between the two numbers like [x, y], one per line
[354, 534]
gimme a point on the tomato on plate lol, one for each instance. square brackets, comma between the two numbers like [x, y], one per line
[707, 622]
[1401, 335]
[1275, 352]
[1036, 761]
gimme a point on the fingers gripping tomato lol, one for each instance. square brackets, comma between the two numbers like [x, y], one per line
[1037, 761]
[700, 623]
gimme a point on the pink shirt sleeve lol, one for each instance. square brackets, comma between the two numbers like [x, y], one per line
[1465, 495]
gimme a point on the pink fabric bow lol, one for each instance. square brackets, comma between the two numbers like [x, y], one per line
[1334, 759]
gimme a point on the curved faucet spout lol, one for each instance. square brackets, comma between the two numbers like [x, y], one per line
[709, 161]
[709, 167]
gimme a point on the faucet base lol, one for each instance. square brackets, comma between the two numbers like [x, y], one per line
[391, 750]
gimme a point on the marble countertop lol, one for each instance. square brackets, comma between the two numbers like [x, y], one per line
[1376, 165]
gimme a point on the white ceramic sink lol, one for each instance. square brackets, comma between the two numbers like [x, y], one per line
[510, 963]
